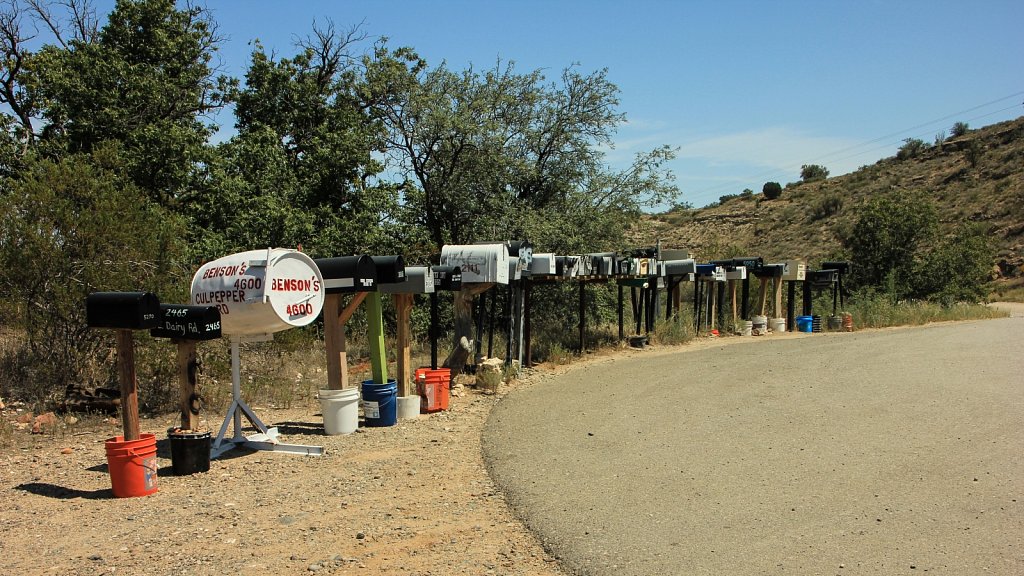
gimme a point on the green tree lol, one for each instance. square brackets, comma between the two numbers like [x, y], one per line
[813, 172]
[886, 242]
[958, 269]
[771, 190]
[145, 80]
[958, 130]
[301, 168]
[501, 154]
[910, 149]
[68, 228]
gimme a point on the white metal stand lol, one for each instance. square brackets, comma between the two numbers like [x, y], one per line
[266, 438]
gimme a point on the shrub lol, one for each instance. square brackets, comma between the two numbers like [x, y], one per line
[771, 190]
[829, 205]
[813, 172]
[910, 149]
[958, 129]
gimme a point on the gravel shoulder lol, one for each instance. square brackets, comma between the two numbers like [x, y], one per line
[411, 499]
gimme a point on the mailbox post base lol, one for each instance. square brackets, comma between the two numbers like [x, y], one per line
[265, 438]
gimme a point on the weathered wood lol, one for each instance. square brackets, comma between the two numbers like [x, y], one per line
[732, 292]
[762, 295]
[777, 304]
[334, 341]
[375, 338]
[350, 309]
[463, 320]
[188, 368]
[129, 388]
[403, 313]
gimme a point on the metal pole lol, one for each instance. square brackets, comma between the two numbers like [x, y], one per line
[434, 320]
[622, 329]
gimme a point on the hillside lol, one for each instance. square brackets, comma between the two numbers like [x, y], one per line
[809, 219]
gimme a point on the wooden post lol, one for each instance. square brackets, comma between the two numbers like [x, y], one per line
[463, 319]
[732, 292]
[762, 295]
[791, 306]
[129, 389]
[777, 304]
[527, 344]
[677, 297]
[334, 341]
[403, 312]
[583, 316]
[375, 338]
[187, 368]
[622, 328]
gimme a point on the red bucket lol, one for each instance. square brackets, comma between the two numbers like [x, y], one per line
[132, 465]
[433, 386]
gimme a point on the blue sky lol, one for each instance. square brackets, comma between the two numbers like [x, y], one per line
[748, 90]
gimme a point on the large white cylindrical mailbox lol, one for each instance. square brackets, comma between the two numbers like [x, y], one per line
[261, 291]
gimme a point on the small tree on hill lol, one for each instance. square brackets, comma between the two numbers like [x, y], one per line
[958, 129]
[771, 190]
[910, 149]
[813, 172]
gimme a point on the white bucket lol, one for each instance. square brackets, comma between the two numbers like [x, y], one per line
[778, 325]
[408, 407]
[745, 327]
[760, 325]
[341, 410]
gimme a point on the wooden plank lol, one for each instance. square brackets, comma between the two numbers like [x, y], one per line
[463, 320]
[129, 387]
[350, 309]
[777, 305]
[375, 338]
[762, 295]
[334, 341]
[403, 313]
[187, 368]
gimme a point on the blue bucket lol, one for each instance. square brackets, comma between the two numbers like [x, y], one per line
[380, 403]
[804, 323]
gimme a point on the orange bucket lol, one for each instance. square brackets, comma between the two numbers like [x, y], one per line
[847, 322]
[132, 465]
[433, 387]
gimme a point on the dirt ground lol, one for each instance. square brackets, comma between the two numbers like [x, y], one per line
[411, 499]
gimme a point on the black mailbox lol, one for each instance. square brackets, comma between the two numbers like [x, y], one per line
[124, 310]
[347, 274]
[447, 278]
[822, 278]
[770, 270]
[751, 263]
[184, 322]
[390, 269]
[841, 267]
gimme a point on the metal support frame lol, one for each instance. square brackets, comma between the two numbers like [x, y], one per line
[265, 438]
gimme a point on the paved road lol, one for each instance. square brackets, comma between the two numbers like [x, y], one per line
[885, 452]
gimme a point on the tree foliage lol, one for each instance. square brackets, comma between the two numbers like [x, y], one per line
[897, 249]
[771, 190]
[813, 172]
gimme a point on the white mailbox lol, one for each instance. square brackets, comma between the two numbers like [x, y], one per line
[794, 270]
[261, 291]
[479, 263]
[567, 266]
[737, 273]
[543, 264]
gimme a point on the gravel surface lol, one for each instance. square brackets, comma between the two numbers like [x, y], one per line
[411, 499]
[878, 452]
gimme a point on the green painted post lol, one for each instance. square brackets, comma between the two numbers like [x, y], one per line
[375, 320]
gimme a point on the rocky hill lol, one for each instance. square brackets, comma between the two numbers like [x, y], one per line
[977, 177]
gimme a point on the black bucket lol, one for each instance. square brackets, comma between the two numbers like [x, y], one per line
[190, 452]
